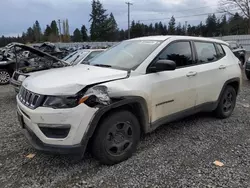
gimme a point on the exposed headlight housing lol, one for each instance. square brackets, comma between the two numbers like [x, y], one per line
[96, 95]
[21, 78]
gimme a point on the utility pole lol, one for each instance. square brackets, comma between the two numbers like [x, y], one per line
[60, 34]
[186, 27]
[128, 3]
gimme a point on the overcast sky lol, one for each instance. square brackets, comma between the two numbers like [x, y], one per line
[17, 15]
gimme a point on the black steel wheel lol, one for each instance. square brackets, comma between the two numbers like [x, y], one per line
[227, 103]
[116, 138]
[119, 138]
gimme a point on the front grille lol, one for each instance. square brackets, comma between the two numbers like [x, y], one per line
[30, 99]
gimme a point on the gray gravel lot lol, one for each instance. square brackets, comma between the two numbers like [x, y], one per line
[180, 154]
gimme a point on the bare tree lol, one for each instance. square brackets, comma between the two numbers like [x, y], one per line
[240, 6]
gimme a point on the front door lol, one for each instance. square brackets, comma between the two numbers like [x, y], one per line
[174, 91]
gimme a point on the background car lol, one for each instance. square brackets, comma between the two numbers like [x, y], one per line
[238, 51]
[247, 69]
[72, 59]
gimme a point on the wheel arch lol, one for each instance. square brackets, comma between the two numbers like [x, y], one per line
[136, 105]
[234, 82]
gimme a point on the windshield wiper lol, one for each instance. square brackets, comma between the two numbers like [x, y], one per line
[102, 65]
[86, 62]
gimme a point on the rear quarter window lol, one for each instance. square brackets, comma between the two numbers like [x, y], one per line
[221, 52]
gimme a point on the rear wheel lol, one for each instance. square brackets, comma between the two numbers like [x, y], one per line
[116, 138]
[227, 103]
[4, 77]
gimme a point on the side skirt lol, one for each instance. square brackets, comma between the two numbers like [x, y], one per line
[206, 107]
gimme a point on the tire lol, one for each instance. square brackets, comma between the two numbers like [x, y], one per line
[242, 60]
[116, 138]
[4, 77]
[227, 103]
[247, 74]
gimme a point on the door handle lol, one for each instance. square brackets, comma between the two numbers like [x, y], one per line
[222, 67]
[192, 73]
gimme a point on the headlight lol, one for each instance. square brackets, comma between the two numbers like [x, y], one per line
[60, 102]
[92, 97]
[21, 78]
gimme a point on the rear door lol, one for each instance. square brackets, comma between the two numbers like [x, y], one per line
[211, 75]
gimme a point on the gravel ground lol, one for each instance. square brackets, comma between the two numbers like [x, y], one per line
[180, 154]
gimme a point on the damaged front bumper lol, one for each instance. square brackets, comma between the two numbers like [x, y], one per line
[61, 131]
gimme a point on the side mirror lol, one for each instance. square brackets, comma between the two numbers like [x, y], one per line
[163, 65]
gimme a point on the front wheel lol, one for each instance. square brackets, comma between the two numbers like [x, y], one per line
[4, 77]
[227, 103]
[116, 138]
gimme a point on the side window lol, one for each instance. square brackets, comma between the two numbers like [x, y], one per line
[221, 52]
[179, 52]
[206, 52]
[91, 55]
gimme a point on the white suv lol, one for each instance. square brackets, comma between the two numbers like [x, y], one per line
[132, 88]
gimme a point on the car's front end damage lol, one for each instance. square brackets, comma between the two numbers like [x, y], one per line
[36, 61]
[59, 119]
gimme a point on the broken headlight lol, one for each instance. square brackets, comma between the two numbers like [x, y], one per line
[96, 95]
[60, 102]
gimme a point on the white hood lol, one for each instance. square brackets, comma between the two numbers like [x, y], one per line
[69, 80]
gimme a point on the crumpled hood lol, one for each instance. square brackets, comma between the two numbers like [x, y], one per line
[70, 80]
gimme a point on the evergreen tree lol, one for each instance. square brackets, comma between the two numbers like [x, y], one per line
[77, 36]
[112, 29]
[161, 29]
[30, 35]
[47, 33]
[156, 30]
[179, 29]
[84, 33]
[37, 31]
[171, 26]
[122, 35]
[98, 16]
[211, 24]
[54, 35]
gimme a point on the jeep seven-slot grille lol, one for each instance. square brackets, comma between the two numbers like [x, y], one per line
[30, 99]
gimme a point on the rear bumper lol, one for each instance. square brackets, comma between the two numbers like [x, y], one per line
[15, 84]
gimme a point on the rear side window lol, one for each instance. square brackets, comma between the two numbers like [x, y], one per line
[206, 52]
[179, 52]
[221, 52]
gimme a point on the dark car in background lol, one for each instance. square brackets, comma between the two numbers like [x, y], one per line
[238, 51]
[247, 69]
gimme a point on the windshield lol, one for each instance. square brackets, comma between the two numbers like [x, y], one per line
[127, 55]
[75, 57]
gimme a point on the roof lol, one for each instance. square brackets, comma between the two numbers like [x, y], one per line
[178, 37]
